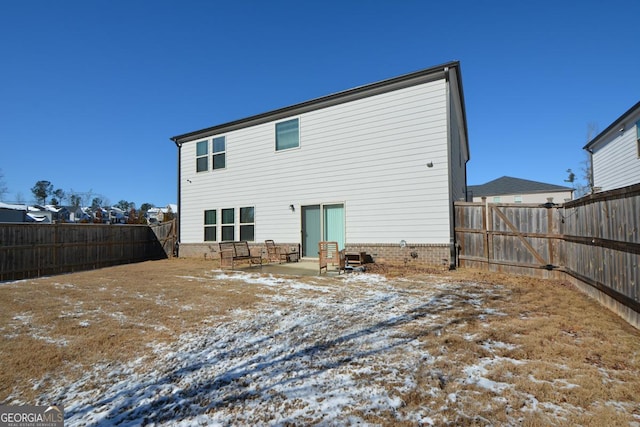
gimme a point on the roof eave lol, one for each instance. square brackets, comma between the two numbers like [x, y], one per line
[406, 80]
[612, 126]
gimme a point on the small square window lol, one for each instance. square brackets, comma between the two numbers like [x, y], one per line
[287, 135]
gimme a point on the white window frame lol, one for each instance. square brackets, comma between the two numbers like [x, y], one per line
[246, 224]
[297, 146]
[215, 153]
[213, 226]
[204, 156]
[227, 225]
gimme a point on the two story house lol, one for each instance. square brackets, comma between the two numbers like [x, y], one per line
[376, 168]
[615, 153]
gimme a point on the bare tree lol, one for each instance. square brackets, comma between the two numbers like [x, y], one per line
[584, 185]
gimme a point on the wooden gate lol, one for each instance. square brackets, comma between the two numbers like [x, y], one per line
[515, 238]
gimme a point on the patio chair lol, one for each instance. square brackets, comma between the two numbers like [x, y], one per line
[331, 255]
[279, 254]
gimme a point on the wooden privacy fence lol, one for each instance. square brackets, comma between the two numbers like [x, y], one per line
[32, 250]
[594, 240]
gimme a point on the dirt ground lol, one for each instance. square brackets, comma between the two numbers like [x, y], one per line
[557, 357]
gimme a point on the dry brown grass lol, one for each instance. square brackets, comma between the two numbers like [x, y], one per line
[552, 345]
[61, 325]
[568, 351]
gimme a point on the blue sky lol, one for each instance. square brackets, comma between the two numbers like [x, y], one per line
[91, 91]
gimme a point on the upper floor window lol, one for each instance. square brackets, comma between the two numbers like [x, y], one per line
[219, 153]
[517, 199]
[202, 156]
[287, 134]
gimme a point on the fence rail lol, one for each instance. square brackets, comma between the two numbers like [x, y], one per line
[594, 240]
[32, 250]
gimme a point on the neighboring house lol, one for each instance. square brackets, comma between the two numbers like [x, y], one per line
[12, 213]
[118, 216]
[515, 190]
[615, 153]
[39, 214]
[58, 213]
[155, 215]
[80, 214]
[368, 167]
[101, 216]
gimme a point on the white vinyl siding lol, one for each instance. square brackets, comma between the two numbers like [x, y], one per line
[615, 161]
[371, 154]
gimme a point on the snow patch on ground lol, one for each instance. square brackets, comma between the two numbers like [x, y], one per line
[314, 352]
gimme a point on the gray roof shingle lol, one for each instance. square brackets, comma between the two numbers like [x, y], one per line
[510, 185]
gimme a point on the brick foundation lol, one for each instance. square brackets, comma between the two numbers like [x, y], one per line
[421, 254]
[389, 253]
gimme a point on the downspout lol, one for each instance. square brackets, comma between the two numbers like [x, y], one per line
[453, 253]
[179, 145]
[591, 177]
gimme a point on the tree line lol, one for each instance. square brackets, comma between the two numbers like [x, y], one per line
[43, 190]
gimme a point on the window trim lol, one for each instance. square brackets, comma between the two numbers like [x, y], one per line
[297, 146]
[247, 224]
[235, 225]
[209, 226]
[215, 153]
[227, 225]
[204, 156]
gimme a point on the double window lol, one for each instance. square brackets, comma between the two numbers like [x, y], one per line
[287, 135]
[229, 226]
[219, 157]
